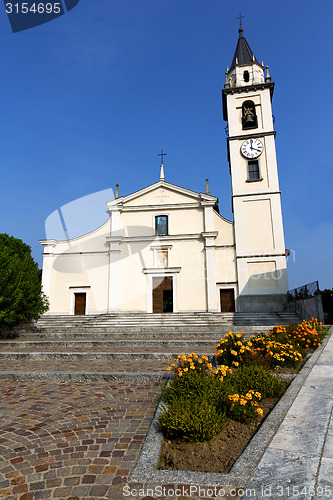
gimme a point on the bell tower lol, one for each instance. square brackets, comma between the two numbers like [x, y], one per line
[260, 247]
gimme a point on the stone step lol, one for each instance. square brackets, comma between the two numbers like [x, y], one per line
[107, 345]
[75, 370]
[90, 333]
[94, 355]
[162, 323]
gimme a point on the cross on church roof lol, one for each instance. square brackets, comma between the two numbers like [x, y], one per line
[161, 154]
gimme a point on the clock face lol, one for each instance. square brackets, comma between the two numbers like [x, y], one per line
[252, 148]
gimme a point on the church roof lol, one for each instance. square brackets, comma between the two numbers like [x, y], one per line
[243, 52]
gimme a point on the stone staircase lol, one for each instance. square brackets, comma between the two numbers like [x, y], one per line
[115, 348]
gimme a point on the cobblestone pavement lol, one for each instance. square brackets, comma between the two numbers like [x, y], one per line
[71, 440]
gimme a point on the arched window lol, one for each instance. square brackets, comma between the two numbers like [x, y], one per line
[249, 115]
[246, 76]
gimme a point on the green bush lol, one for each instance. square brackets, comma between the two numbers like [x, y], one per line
[21, 298]
[257, 378]
[194, 407]
[194, 385]
[192, 420]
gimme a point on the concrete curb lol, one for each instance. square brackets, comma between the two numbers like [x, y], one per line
[244, 467]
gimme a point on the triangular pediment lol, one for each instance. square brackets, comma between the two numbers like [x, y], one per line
[162, 193]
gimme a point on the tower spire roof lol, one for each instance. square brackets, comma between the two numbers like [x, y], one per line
[243, 53]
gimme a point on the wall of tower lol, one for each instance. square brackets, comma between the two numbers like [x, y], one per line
[260, 246]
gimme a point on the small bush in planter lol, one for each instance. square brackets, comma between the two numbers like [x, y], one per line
[194, 407]
[259, 379]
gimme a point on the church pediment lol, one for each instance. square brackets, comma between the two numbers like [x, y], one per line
[163, 193]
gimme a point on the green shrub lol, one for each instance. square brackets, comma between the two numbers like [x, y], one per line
[192, 420]
[194, 385]
[21, 298]
[258, 378]
[194, 407]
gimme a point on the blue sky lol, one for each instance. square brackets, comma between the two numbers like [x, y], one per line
[89, 99]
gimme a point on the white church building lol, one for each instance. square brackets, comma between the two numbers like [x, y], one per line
[144, 260]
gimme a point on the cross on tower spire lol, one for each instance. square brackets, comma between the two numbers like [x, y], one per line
[240, 20]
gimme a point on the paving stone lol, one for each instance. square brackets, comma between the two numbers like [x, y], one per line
[328, 448]
[98, 490]
[325, 476]
[46, 494]
[62, 492]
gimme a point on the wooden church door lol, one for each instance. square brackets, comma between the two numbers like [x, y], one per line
[227, 299]
[162, 295]
[80, 304]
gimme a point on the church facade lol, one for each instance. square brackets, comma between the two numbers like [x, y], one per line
[141, 260]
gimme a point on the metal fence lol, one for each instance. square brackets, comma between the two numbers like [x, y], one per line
[303, 292]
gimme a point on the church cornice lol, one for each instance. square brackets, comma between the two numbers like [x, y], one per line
[257, 193]
[248, 134]
[159, 240]
[170, 206]
[262, 255]
[165, 271]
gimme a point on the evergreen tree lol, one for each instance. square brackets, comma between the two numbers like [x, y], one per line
[21, 298]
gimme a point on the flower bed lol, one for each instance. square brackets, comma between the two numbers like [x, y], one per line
[213, 402]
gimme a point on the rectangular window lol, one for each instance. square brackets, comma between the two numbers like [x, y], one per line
[161, 225]
[253, 170]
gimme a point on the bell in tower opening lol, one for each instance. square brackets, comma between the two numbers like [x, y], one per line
[249, 116]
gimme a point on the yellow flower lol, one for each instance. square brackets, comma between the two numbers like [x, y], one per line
[169, 368]
[259, 411]
[185, 369]
[234, 353]
[180, 374]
